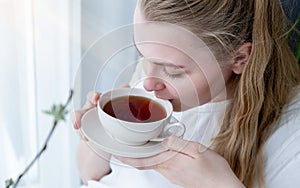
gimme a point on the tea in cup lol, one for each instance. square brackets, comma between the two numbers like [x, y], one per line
[133, 116]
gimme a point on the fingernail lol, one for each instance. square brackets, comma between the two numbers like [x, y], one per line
[76, 125]
[96, 98]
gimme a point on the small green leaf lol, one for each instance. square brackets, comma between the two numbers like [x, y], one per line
[9, 182]
[53, 109]
[57, 111]
[46, 112]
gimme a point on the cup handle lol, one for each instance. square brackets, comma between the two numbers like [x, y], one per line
[176, 129]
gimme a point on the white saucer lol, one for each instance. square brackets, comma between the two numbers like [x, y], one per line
[99, 140]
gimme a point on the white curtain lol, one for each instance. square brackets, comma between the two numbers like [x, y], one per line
[39, 53]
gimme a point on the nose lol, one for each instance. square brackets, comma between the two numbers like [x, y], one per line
[153, 84]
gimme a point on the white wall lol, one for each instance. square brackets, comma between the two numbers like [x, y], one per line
[103, 34]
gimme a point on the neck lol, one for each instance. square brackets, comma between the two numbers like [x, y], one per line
[228, 92]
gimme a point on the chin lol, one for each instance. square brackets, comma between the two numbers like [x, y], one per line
[174, 105]
[177, 107]
[181, 108]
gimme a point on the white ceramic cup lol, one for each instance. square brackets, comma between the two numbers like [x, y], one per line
[138, 133]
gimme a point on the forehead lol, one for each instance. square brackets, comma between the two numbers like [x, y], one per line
[164, 33]
[170, 41]
[163, 53]
[166, 37]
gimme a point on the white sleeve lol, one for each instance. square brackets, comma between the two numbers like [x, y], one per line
[287, 172]
[282, 152]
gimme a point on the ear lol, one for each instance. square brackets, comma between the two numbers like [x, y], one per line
[241, 57]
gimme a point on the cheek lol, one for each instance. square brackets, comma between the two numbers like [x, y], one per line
[199, 91]
[192, 90]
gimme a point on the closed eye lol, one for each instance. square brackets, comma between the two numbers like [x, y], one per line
[173, 71]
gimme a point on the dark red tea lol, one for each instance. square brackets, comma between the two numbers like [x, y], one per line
[135, 109]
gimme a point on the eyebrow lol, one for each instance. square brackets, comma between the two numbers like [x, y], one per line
[167, 64]
[155, 62]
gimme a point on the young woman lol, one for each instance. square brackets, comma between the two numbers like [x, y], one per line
[255, 142]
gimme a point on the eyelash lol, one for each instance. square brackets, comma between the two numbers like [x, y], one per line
[172, 76]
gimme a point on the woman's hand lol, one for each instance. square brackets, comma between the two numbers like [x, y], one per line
[189, 164]
[91, 102]
[91, 166]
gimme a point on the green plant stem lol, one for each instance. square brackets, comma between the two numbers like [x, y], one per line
[37, 156]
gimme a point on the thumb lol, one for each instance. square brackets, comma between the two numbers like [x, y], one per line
[125, 85]
[192, 149]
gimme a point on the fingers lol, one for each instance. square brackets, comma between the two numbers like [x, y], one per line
[76, 118]
[91, 102]
[91, 99]
[192, 149]
[176, 148]
[125, 86]
[77, 115]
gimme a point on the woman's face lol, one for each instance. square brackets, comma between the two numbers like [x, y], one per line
[179, 67]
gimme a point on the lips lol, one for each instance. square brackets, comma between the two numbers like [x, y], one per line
[172, 101]
[164, 97]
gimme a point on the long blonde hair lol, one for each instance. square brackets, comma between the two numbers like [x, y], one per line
[266, 82]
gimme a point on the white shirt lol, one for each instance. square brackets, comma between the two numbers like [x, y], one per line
[282, 149]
